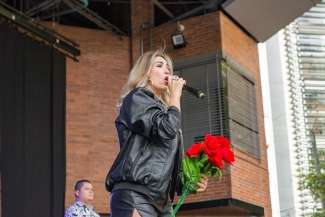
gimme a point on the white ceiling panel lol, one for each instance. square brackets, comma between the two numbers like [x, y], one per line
[263, 18]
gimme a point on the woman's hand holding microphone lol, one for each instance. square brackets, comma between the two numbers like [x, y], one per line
[175, 85]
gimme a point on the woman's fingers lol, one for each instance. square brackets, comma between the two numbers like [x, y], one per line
[203, 183]
[201, 187]
[176, 85]
[176, 80]
[204, 177]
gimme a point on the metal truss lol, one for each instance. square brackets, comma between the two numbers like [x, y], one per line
[92, 16]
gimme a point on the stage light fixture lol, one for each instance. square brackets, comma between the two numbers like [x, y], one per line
[178, 40]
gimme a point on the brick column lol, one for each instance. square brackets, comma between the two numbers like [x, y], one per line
[141, 12]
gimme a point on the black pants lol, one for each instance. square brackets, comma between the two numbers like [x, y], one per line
[123, 203]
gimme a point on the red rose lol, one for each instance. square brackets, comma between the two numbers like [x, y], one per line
[211, 145]
[208, 138]
[218, 149]
[195, 150]
[228, 156]
[224, 142]
[216, 160]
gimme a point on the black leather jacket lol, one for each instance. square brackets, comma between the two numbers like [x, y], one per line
[151, 146]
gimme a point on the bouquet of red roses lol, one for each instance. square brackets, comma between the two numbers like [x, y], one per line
[204, 157]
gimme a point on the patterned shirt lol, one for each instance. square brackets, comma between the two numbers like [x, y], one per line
[79, 209]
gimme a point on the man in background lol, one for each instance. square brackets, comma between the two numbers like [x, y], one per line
[84, 196]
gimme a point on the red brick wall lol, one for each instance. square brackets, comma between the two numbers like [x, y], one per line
[250, 175]
[141, 13]
[202, 34]
[93, 87]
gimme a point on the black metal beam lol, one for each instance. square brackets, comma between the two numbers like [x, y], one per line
[42, 33]
[248, 206]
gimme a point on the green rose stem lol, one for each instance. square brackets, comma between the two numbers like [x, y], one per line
[192, 167]
[185, 192]
[199, 162]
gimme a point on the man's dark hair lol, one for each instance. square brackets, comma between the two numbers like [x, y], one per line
[79, 184]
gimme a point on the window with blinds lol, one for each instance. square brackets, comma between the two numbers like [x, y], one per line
[242, 110]
[229, 108]
[201, 116]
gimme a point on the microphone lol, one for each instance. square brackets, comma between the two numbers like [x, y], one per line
[189, 89]
[193, 91]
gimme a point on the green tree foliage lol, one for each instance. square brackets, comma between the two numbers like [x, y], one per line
[314, 181]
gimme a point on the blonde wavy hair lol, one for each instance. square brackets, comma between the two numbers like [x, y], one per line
[140, 72]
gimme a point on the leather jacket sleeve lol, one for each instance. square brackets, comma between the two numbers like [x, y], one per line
[143, 114]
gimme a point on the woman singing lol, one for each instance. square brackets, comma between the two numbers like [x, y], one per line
[146, 173]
